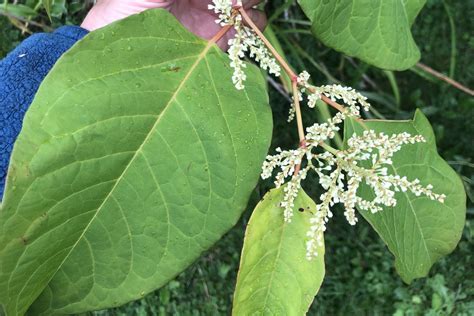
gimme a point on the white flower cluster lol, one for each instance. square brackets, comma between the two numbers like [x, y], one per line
[287, 161]
[245, 41]
[237, 50]
[318, 133]
[348, 95]
[292, 113]
[353, 100]
[223, 9]
[367, 160]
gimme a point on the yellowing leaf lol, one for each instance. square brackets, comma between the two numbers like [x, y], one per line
[275, 278]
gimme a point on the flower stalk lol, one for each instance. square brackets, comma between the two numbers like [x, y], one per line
[222, 32]
[246, 18]
[366, 160]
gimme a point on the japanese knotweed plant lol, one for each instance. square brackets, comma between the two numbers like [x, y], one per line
[125, 172]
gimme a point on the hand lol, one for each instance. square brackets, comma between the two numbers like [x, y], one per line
[194, 14]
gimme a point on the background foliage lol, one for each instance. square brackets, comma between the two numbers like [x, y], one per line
[360, 276]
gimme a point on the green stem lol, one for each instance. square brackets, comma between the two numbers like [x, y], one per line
[452, 66]
[329, 148]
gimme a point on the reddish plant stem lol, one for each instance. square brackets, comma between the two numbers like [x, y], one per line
[280, 59]
[446, 79]
[285, 66]
[299, 118]
[298, 166]
[223, 31]
[332, 103]
[272, 49]
[297, 170]
[328, 101]
[291, 74]
[294, 79]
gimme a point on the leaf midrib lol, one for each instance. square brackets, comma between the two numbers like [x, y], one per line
[408, 53]
[200, 57]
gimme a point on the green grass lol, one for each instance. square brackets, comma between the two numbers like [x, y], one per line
[360, 278]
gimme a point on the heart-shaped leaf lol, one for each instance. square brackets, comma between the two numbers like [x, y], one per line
[418, 231]
[275, 278]
[136, 156]
[378, 32]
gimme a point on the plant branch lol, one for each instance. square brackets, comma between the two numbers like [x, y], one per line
[299, 119]
[444, 78]
[295, 85]
[223, 31]
[267, 43]
[280, 59]
[27, 21]
[279, 88]
[327, 147]
[288, 70]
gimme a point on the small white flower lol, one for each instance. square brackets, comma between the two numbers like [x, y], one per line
[245, 41]
[260, 53]
[291, 113]
[340, 175]
[313, 98]
[223, 9]
[237, 49]
[353, 100]
[303, 79]
[366, 161]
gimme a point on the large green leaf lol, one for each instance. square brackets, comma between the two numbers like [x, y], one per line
[275, 278]
[136, 156]
[418, 231]
[376, 31]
